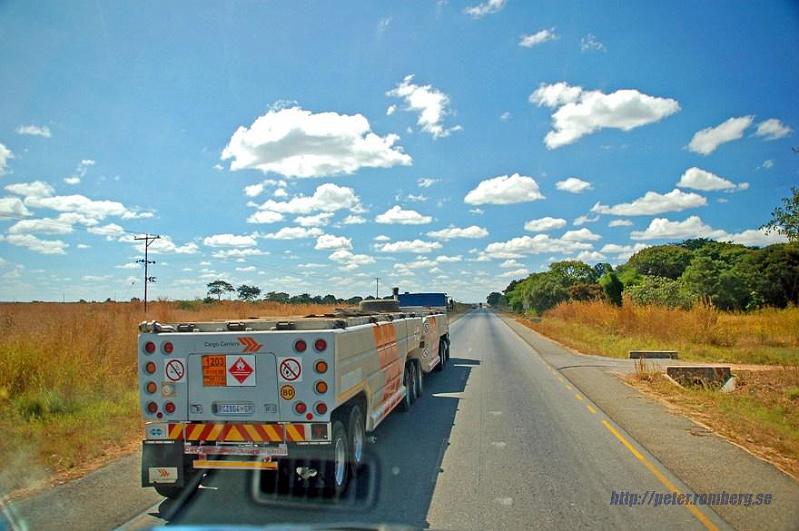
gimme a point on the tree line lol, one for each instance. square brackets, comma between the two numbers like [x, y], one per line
[729, 276]
[248, 293]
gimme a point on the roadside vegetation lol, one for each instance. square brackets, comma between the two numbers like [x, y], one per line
[761, 414]
[710, 301]
[68, 379]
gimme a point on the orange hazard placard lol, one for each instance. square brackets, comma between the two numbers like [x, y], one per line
[214, 371]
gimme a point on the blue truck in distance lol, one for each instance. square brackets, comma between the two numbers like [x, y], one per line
[433, 300]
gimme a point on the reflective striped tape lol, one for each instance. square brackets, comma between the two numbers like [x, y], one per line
[230, 432]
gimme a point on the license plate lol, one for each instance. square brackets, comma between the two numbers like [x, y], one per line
[214, 371]
[246, 408]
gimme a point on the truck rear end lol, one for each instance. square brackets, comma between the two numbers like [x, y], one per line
[241, 395]
[254, 394]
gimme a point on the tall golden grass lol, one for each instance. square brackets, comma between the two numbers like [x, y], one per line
[68, 378]
[701, 333]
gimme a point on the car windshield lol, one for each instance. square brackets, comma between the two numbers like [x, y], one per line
[460, 264]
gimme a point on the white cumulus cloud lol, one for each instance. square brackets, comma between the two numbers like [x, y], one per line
[772, 129]
[450, 233]
[573, 185]
[504, 190]
[431, 104]
[293, 233]
[5, 156]
[582, 112]
[400, 216]
[580, 235]
[540, 243]
[265, 216]
[328, 197]
[411, 246]
[653, 203]
[544, 224]
[539, 37]
[13, 206]
[294, 142]
[329, 241]
[489, 7]
[229, 240]
[37, 245]
[34, 130]
[707, 140]
[700, 179]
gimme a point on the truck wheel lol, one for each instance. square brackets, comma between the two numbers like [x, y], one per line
[446, 344]
[169, 491]
[419, 384]
[412, 380]
[336, 466]
[357, 432]
[442, 355]
[407, 401]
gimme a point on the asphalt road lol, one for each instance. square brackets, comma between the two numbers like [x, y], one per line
[500, 440]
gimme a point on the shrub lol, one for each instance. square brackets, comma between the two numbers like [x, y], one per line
[660, 291]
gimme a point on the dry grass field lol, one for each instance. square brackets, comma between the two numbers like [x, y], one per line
[68, 379]
[768, 336]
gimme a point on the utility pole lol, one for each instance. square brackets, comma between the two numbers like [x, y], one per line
[147, 239]
[377, 287]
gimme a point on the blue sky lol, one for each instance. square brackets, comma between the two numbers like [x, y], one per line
[313, 146]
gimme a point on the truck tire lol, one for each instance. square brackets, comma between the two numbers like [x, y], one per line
[442, 355]
[169, 491]
[407, 401]
[356, 429]
[412, 380]
[336, 470]
[419, 385]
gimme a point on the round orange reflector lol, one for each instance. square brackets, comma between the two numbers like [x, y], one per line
[321, 387]
[152, 387]
[300, 407]
[149, 368]
[169, 407]
[321, 408]
[152, 407]
[149, 347]
[168, 347]
[321, 367]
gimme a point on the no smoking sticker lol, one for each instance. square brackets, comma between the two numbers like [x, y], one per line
[175, 370]
[290, 369]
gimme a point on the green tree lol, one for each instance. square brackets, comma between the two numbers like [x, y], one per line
[785, 218]
[718, 281]
[354, 300]
[278, 296]
[248, 293]
[773, 275]
[612, 287]
[661, 261]
[574, 272]
[494, 298]
[219, 287]
[585, 292]
[542, 291]
[660, 291]
[329, 299]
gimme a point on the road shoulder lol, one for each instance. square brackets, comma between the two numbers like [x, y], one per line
[703, 461]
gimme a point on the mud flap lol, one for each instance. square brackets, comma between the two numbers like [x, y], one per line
[163, 462]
